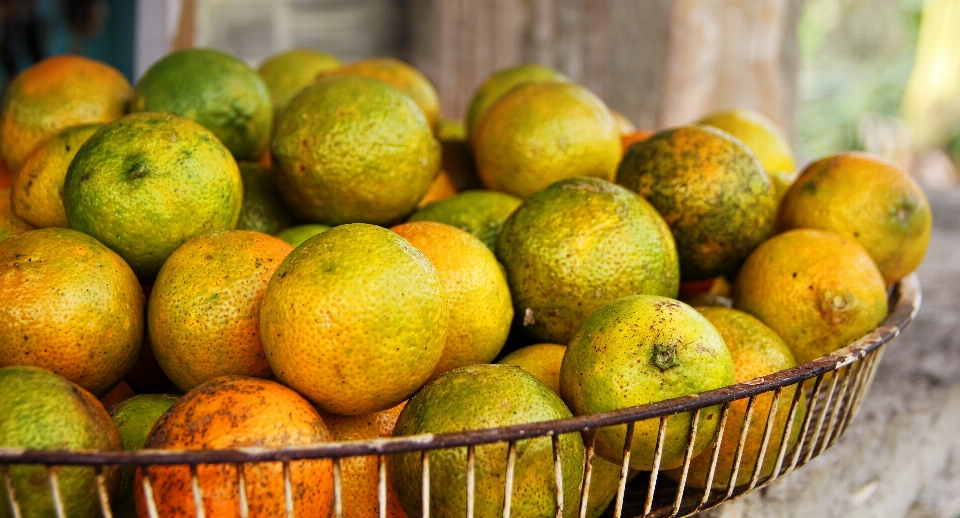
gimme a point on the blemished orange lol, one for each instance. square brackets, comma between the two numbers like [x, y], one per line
[70, 305]
[355, 319]
[285, 74]
[868, 199]
[711, 190]
[56, 93]
[543, 132]
[361, 474]
[408, 79]
[477, 291]
[817, 290]
[238, 412]
[37, 191]
[204, 311]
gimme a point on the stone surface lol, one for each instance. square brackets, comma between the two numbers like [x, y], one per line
[901, 455]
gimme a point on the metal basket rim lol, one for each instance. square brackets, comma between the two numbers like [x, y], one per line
[905, 297]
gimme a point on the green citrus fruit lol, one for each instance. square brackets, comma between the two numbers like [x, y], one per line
[501, 82]
[263, 210]
[480, 213]
[300, 233]
[287, 73]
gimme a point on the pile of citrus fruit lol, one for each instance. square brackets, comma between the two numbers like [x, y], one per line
[310, 253]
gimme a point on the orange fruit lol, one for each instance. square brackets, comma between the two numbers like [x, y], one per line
[285, 74]
[37, 191]
[542, 132]
[6, 175]
[481, 213]
[42, 411]
[756, 351]
[477, 292]
[204, 312]
[441, 189]
[354, 319]
[541, 360]
[215, 90]
[361, 476]
[120, 393]
[408, 79]
[759, 134]
[354, 149]
[499, 84]
[238, 412]
[487, 396]
[868, 199]
[145, 184]
[300, 233]
[56, 93]
[578, 245]
[10, 224]
[817, 290]
[262, 209]
[711, 190]
[629, 139]
[70, 305]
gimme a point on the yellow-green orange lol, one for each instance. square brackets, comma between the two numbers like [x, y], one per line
[758, 133]
[70, 305]
[216, 90]
[355, 319]
[501, 82]
[145, 184]
[541, 360]
[441, 188]
[580, 244]
[485, 396]
[56, 93]
[817, 290]
[37, 191]
[756, 351]
[543, 132]
[42, 411]
[354, 149]
[10, 224]
[477, 291]
[262, 209]
[641, 350]
[361, 474]
[408, 79]
[236, 412]
[711, 190]
[285, 74]
[300, 233]
[204, 312]
[481, 213]
[868, 199]
[134, 419]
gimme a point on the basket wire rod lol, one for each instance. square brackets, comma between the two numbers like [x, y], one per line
[54, 480]
[738, 454]
[655, 470]
[11, 494]
[838, 404]
[102, 494]
[853, 396]
[197, 492]
[788, 427]
[471, 480]
[425, 484]
[843, 406]
[827, 409]
[587, 471]
[242, 490]
[765, 441]
[337, 488]
[288, 489]
[811, 408]
[715, 454]
[558, 472]
[687, 457]
[148, 493]
[382, 485]
[867, 381]
[624, 469]
[508, 480]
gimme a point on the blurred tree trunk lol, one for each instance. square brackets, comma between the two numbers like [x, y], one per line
[659, 62]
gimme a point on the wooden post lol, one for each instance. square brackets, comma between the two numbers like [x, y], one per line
[659, 62]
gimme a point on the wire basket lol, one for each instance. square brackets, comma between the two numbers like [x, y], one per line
[831, 389]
